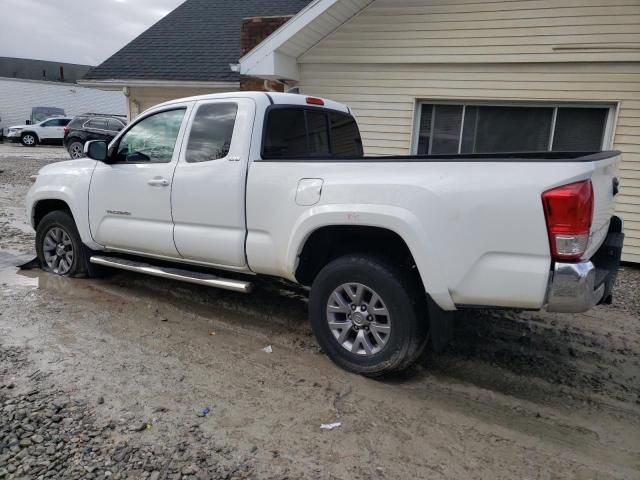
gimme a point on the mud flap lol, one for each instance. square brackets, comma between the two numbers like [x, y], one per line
[441, 326]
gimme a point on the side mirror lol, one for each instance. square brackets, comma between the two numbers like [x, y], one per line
[96, 150]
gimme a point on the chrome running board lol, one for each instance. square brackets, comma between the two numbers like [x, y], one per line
[198, 278]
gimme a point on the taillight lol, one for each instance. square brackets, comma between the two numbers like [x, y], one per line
[569, 213]
[66, 131]
[315, 101]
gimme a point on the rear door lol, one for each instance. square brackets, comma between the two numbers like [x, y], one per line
[130, 199]
[208, 197]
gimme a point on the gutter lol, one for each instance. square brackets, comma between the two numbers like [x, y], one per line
[117, 84]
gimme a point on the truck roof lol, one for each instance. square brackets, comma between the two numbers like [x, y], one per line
[274, 98]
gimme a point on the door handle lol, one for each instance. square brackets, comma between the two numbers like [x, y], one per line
[158, 182]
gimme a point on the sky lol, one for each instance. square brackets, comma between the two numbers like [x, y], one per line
[75, 31]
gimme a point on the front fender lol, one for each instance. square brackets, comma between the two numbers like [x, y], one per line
[396, 219]
[71, 186]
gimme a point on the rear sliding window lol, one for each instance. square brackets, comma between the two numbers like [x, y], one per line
[211, 132]
[294, 132]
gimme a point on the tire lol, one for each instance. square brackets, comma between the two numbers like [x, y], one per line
[29, 139]
[76, 149]
[398, 295]
[57, 236]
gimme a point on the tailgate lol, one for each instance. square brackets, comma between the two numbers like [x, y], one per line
[605, 187]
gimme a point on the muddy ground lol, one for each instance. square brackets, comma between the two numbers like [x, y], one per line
[108, 379]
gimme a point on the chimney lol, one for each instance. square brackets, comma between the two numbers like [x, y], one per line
[254, 31]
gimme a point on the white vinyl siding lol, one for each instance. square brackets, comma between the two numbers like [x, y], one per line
[463, 31]
[18, 96]
[384, 98]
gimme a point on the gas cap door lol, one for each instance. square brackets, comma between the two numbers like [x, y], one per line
[309, 191]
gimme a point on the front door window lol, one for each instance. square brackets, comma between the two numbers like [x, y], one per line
[152, 140]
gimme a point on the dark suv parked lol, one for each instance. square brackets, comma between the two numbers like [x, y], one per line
[91, 126]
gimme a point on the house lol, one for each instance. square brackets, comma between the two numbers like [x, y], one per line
[191, 51]
[27, 83]
[432, 76]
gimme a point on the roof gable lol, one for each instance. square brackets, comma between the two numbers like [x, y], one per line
[276, 56]
[195, 42]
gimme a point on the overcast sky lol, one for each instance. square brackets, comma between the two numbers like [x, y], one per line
[75, 31]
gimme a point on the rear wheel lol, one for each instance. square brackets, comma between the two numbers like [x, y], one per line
[76, 149]
[29, 139]
[59, 247]
[368, 315]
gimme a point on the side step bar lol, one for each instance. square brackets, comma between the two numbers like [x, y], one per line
[198, 278]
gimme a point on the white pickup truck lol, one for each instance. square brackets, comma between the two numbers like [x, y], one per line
[217, 189]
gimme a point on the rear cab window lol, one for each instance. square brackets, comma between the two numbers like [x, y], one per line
[298, 132]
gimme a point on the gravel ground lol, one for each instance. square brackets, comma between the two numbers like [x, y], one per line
[47, 434]
[109, 378]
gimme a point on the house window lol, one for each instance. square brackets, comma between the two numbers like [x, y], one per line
[483, 128]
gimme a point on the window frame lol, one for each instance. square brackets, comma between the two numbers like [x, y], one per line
[326, 112]
[607, 137]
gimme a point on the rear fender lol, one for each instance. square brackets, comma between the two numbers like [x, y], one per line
[393, 218]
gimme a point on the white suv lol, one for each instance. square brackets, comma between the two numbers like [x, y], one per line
[49, 131]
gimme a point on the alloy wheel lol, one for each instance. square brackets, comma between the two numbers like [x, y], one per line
[58, 250]
[76, 150]
[359, 319]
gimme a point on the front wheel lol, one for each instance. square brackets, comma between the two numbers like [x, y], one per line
[58, 245]
[29, 140]
[368, 315]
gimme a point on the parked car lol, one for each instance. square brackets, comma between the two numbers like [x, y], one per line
[273, 184]
[91, 126]
[49, 131]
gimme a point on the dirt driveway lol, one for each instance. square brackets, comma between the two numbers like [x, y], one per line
[111, 378]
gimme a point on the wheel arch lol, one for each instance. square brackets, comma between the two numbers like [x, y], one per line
[46, 206]
[32, 132]
[332, 241]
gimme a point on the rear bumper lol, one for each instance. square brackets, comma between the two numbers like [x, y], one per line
[577, 287]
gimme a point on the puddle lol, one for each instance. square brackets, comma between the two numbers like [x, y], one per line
[11, 275]
[14, 277]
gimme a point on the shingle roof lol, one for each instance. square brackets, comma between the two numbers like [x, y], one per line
[195, 42]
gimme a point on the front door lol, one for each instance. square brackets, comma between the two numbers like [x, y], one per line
[130, 197]
[52, 129]
[209, 184]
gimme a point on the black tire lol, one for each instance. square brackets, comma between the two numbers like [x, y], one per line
[61, 221]
[404, 299]
[29, 139]
[76, 146]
